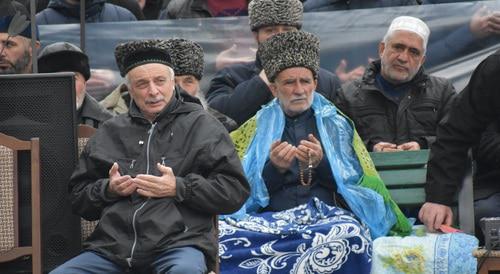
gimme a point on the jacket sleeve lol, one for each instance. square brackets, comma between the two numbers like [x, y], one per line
[88, 186]
[223, 188]
[476, 107]
[447, 100]
[239, 100]
[488, 150]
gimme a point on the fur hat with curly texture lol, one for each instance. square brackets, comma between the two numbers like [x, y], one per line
[287, 50]
[136, 53]
[187, 57]
[275, 12]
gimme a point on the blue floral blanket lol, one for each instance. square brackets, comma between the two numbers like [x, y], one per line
[311, 238]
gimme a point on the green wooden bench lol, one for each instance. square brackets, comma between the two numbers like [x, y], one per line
[404, 174]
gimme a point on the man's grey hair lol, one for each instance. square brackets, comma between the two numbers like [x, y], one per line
[170, 70]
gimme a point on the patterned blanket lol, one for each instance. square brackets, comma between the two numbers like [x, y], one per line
[312, 238]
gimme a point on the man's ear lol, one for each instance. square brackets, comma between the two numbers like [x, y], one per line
[274, 89]
[381, 48]
[256, 36]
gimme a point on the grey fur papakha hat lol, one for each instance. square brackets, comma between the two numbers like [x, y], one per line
[187, 57]
[135, 53]
[275, 12]
[288, 50]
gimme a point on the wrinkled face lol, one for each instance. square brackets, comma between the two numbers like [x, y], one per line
[151, 86]
[80, 84]
[264, 33]
[15, 54]
[294, 89]
[189, 83]
[401, 56]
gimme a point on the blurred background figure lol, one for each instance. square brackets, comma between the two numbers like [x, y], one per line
[68, 11]
[64, 56]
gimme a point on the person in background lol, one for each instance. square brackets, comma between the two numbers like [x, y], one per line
[15, 50]
[396, 105]
[133, 6]
[178, 9]
[239, 91]
[188, 63]
[64, 56]
[68, 11]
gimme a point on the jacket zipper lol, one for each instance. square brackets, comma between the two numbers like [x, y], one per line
[129, 260]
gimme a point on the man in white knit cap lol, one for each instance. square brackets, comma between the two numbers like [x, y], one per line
[396, 105]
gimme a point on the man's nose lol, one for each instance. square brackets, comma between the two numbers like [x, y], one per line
[403, 56]
[152, 89]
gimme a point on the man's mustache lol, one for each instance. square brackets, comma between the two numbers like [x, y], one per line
[154, 100]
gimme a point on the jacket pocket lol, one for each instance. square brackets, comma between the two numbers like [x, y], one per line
[426, 115]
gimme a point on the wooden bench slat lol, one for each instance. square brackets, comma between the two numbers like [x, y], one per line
[400, 160]
[404, 178]
[408, 196]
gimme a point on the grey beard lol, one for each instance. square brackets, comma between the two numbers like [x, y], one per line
[20, 66]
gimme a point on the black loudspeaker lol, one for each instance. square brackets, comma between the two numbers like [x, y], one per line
[43, 105]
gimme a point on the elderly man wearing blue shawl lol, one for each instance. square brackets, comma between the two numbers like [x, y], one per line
[316, 200]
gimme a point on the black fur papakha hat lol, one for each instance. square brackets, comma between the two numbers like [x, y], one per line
[275, 12]
[63, 56]
[135, 53]
[187, 57]
[288, 50]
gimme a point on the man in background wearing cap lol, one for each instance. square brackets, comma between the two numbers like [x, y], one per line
[188, 63]
[64, 56]
[15, 51]
[396, 105]
[240, 90]
[154, 177]
[300, 155]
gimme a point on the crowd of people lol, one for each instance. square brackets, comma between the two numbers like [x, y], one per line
[274, 139]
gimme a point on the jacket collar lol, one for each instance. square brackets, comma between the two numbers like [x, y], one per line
[374, 67]
[92, 110]
[178, 104]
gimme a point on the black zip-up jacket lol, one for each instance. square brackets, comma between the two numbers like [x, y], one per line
[238, 92]
[133, 230]
[487, 158]
[380, 119]
[477, 107]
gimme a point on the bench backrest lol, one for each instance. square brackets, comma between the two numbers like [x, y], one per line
[404, 174]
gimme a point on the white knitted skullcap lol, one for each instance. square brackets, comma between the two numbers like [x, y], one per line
[412, 24]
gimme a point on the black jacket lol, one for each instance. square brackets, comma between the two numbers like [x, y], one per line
[209, 181]
[91, 113]
[477, 107]
[487, 158]
[380, 119]
[238, 92]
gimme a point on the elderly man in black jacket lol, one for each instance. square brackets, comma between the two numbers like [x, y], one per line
[240, 90]
[154, 177]
[396, 105]
[474, 118]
